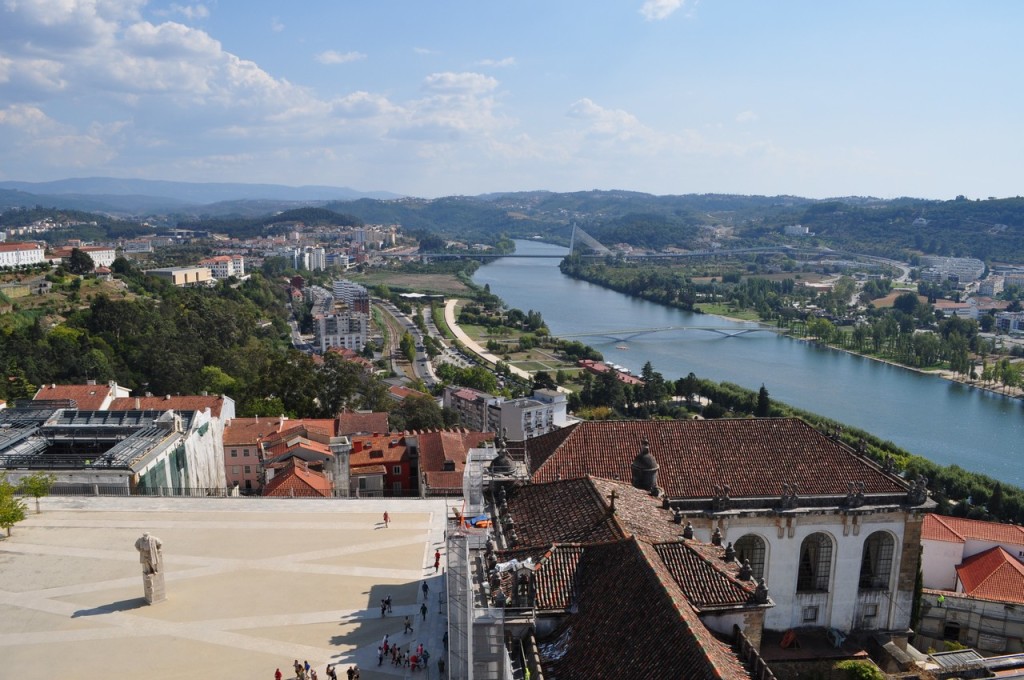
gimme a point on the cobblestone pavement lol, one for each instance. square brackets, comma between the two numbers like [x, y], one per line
[252, 585]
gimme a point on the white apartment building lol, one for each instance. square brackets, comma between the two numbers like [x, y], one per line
[346, 328]
[225, 266]
[355, 296]
[18, 253]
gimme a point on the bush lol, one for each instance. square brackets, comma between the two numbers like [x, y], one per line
[860, 670]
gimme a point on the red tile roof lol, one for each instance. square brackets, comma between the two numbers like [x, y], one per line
[448, 445]
[632, 621]
[993, 575]
[754, 457]
[179, 403]
[370, 450]
[959, 530]
[362, 423]
[705, 584]
[88, 397]
[569, 511]
[298, 480]
[242, 431]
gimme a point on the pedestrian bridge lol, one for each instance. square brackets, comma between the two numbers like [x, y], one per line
[625, 334]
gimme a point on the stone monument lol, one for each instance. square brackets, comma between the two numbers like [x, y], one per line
[152, 559]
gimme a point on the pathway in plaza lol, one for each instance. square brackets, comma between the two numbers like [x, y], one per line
[252, 585]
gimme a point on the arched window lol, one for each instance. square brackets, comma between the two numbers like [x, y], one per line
[751, 547]
[876, 563]
[815, 568]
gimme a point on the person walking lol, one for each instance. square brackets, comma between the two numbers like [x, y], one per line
[277, 674]
[445, 641]
[408, 625]
[387, 519]
[426, 591]
[423, 610]
[437, 560]
[440, 667]
[387, 601]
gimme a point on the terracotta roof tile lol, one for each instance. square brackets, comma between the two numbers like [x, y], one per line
[621, 588]
[993, 575]
[298, 480]
[705, 584]
[179, 403]
[753, 456]
[88, 397]
[370, 450]
[561, 512]
[241, 431]
[362, 423]
[960, 530]
[448, 445]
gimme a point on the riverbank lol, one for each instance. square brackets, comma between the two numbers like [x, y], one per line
[472, 345]
[945, 374]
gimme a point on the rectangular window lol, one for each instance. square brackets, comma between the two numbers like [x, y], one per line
[248, 469]
[362, 482]
[245, 453]
[234, 454]
[397, 486]
[396, 469]
[870, 610]
[235, 469]
[810, 614]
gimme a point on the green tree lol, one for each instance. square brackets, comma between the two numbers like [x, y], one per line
[80, 262]
[37, 485]
[764, 404]
[417, 413]
[12, 508]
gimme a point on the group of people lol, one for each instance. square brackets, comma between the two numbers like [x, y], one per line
[385, 605]
[303, 671]
[414, 660]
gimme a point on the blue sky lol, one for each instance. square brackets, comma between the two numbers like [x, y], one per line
[439, 98]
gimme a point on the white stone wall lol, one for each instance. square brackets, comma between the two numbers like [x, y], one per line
[938, 563]
[842, 606]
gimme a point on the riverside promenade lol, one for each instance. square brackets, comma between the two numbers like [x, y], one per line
[252, 585]
[472, 345]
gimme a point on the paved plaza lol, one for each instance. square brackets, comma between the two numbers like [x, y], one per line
[252, 585]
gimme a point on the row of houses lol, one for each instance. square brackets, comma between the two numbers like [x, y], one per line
[353, 454]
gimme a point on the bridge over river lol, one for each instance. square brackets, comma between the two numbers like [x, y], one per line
[622, 335]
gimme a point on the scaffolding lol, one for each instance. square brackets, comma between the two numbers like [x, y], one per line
[476, 633]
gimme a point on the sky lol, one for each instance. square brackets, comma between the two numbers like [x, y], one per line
[444, 97]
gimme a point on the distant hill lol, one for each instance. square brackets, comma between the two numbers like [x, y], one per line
[140, 196]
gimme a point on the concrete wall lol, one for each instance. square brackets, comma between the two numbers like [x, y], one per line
[938, 563]
[990, 627]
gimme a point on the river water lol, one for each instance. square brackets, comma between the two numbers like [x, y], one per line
[926, 415]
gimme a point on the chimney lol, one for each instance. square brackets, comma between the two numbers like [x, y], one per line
[138, 404]
[645, 469]
[90, 382]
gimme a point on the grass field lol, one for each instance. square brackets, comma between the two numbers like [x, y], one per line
[443, 284]
[731, 312]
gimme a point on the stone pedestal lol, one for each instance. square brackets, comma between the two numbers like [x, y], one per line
[153, 584]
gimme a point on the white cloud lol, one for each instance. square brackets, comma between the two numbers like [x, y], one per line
[499, 63]
[424, 51]
[191, 12]
[276, 26]
[605, 123]
[746, 117]
[334, 57]
[459, 83]
[656, 10]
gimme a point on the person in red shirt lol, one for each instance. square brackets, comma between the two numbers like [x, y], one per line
[387, 519]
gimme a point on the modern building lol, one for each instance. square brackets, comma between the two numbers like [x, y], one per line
[519, 419]
[184, 276]
[353, 295]
[138, 452]
[344, 328]
[225, 266]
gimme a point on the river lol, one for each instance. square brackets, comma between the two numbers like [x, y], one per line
[941, 420]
